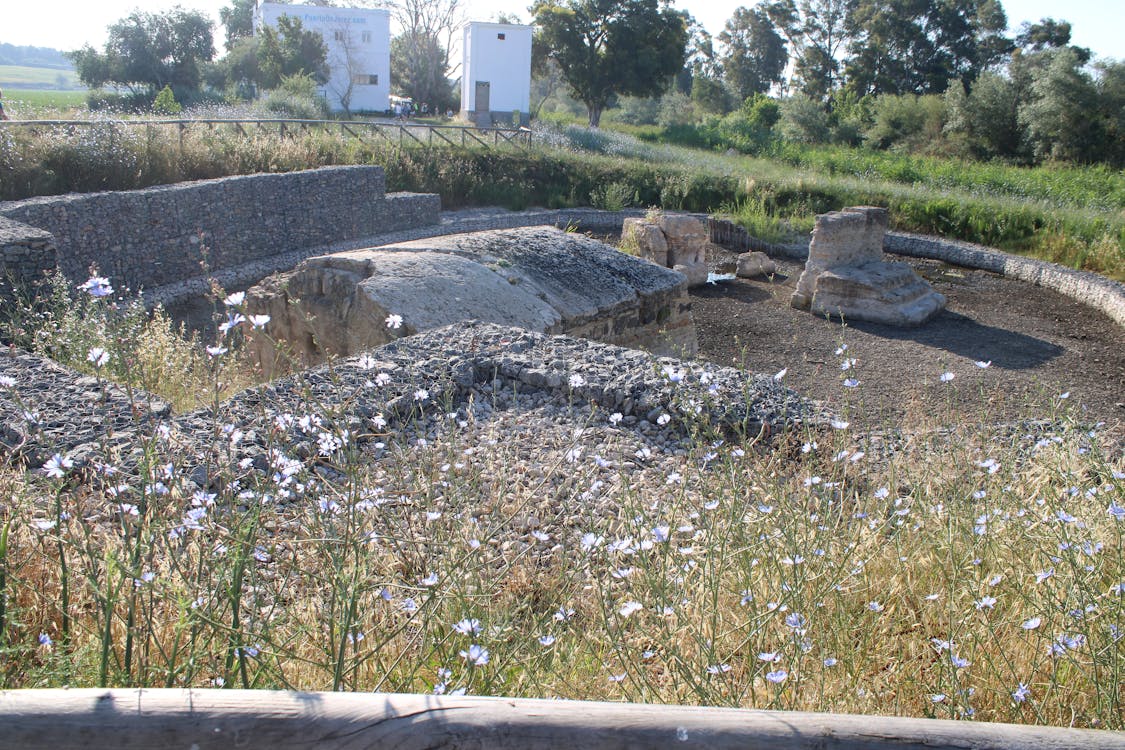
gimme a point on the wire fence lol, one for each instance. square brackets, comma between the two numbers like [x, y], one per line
[402, 133]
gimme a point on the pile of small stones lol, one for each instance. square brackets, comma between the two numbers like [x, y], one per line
[472, 369]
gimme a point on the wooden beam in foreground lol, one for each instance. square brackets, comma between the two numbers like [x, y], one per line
[268, 720]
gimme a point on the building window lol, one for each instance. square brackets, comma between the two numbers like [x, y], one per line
[367, 37]
[339, 35]
[365, 79]
[500, 36]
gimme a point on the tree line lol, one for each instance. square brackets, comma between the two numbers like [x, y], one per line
[933, 75]
[148, 52]
[937, 75]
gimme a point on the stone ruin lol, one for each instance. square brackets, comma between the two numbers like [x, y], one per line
[677, 242]
[540, 279]
[846, 276]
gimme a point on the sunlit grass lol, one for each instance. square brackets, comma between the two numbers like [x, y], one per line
[954, 574]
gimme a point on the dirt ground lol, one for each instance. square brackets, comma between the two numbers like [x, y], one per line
[1041, 345]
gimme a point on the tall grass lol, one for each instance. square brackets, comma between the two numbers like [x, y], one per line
[958, 574]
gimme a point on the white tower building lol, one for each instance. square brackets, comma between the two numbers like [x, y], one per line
[496, 73]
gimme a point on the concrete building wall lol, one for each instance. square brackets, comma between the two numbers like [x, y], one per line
[359, 51]
[496, 65]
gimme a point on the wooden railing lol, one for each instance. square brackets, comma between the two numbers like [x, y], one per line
[266, 720]
[402, 133]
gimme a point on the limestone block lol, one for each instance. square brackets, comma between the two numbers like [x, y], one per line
[647, 238]
[879, 292]
[695, 273]
[687, 239]
[539, 278]
[846, 276]
[754, 264]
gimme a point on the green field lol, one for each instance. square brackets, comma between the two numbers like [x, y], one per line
[22, 75]
[42, 104]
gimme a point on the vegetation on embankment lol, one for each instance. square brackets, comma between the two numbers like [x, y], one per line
[1067, 215]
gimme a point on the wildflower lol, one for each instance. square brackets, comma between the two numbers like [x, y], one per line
[7, 381]
[628, 608]
[97, 355]
[1032, 623]
[216, 351]
[1021, 693]
[875, 606]
[780, 373]
[382, 379]
[841, 349]
[590, 541]
[563, 614]
[57, 466]
[986, 602]
[1115, 510]
[745, 597]
[233, 319]
[259, 321]
[982, 364]
[839, 424]
[830, 661]
[546, 641]
[421, 394]
[777, 676]
[394, 321]
[365, 362]
[718, 668]
[796, 621]
[769, 656]
[958, 662]
[615, 418]
[476, 655]
[45, 640]
[1043, 575]
[937, 697]
[234, 300]
[97, 286]
[576, 381]
[467, 626]
[672, 374]
[617, 677]
[410, 606]
[430, 580]
[663, 419]
[946, 377]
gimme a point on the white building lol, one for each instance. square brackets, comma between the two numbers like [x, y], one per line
[496, 73]
[359, 51]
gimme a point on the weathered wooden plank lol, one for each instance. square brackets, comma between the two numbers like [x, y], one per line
[267, 720]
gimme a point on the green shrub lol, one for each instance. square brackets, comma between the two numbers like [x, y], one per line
[165, 103]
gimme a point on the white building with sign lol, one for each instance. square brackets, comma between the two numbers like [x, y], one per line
[496, 73]
[359, 51]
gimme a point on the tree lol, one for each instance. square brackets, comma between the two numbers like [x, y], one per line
[919, 46]
[754, 53]
[612, 47]
[816, 31]
[237, 20]
[147, 51]
[418, 69]
[1062, 115]
[420, 64]
[290, 50]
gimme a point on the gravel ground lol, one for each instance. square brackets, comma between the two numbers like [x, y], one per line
[1040, 345]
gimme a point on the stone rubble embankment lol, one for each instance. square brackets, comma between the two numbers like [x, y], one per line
[438, 371]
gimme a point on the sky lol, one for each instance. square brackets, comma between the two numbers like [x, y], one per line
[70, 24]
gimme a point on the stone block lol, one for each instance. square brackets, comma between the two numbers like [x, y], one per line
[845, 274]
[754, 264]
[647, 238]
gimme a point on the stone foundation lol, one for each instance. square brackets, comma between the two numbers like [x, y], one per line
[845, 275]
[540, 279]
[673, 241]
